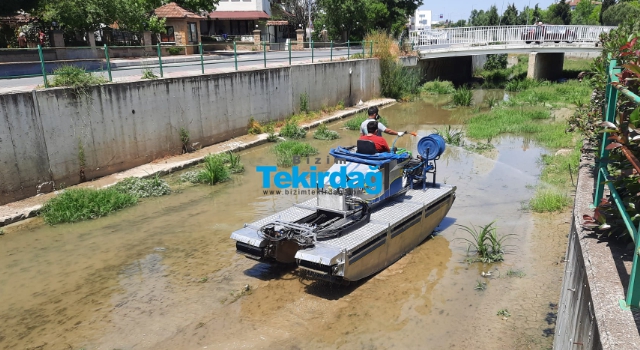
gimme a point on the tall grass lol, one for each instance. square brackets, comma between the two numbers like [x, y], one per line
[548, 200]
[524, 84]
[486, 242]
[355, 122]
[75, 77]
[323, 133]
[292, 130]
[214, 170]
[83, 204]
[462, 96]
[286, 150]
[142, 188]
[450, 135]
[438, 87]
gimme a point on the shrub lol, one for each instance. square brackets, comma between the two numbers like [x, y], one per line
[304, 102]
[496, 62]
[75, 77]
[462, 96]
[323, 133]
[214, 170]
[83, 204]
[142, 188]
[286, 150]
[292, 130]
[147, 73]
[254, 127]
[547, 200]
[174, 50]
[437, 87]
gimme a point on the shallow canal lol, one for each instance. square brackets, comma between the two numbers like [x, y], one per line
[164, 274]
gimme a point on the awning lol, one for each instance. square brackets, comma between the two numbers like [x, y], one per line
[277, 23]
[238, 15]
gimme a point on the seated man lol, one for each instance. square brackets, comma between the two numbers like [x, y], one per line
[379, 141]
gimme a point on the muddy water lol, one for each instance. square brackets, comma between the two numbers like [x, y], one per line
[164, 274]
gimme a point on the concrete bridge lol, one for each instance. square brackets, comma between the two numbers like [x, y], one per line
[447, 53]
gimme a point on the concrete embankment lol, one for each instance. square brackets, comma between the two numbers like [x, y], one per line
[595, 279]
[60, 136]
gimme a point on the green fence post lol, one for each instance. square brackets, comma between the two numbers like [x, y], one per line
[348, 49]
[201, 57]
[331, 54]
[289, 51]
[611, 97]
[371, 49]
[362, 43]
[235, 54]
[265, 53]
[160, 61]
[44, 71]
[311, 42]
[106, 55]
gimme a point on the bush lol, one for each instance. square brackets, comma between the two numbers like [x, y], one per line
[286, 150]
[174, 50]
[75, 77]
[496, 62]
[142, 188]
[292, 130]
[83, 204]
[437, 87]
[323, 133]
[147, 73]
[214, 170]
[462, 96]
[254, 127]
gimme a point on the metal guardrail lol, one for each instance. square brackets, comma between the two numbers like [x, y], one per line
[612, 93]
[491, 35]
[296, 50]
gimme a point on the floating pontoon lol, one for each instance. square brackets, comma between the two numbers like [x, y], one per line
[345, 234]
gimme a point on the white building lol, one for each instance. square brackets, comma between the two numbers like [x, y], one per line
[236, 17]
[421, 20]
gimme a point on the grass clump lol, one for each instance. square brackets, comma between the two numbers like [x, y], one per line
[286, 150]
[304, 102]
[254, 127]
[462, 96]
[438, 87]
[214, 170]
[355, 122]
[481, 286]
[75, 77]
[143, 188]
[80, 204]
[292, 130]
[504, 313]
[323, 133]
[450, 135]
[559, 169]
[271, 133]
[522, 84]
[174, 50]
[547, 200]
[148, 73]
[515, 273]
[479, 147]
[486, 242]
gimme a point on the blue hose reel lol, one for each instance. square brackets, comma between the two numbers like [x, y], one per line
[431, 147]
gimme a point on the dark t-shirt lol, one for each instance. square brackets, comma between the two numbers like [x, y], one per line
[379, 141]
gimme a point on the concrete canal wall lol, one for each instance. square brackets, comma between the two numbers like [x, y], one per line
[595, 279]
[51, 136]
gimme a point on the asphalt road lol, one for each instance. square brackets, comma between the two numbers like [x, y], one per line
[173, 69]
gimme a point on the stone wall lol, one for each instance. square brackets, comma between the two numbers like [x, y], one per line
[49, 135]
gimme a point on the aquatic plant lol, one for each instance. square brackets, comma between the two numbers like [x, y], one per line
[286, 150]
[142, 188]
[292, 130]
[214, 170]
[355, 122]
[548, 200]
[462, 96]
[234, 163]
[450, 135]
[480, 286]
[503, 313]
[515, 273]
[323, 133]
[438, 87]
[83, 204]
[486, 242]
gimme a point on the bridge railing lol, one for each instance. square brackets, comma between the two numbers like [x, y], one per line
[493, 35]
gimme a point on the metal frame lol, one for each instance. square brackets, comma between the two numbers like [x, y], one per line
[610, 111]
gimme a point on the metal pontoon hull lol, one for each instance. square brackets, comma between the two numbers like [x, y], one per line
[396, 227]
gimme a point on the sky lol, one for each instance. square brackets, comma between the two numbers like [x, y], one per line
[461, 9]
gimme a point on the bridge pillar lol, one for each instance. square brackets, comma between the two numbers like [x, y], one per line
[458, 70]
[545, 66]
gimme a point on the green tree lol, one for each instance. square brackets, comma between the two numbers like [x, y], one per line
[493, 19]
[510, 16]
[594, 17]
[537, 14]
[582, 13]
[10, 7]
[605, 5]
[618, 13]
[560, 13]
[525, 16]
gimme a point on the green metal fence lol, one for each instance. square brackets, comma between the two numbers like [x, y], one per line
[155, 57]
[612, 93]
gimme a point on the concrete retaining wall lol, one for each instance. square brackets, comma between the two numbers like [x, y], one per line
[595, 278]
[458, 70]
[47, 135]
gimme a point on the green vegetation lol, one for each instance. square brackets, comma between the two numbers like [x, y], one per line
[486, 242]
[504, 313]
[304, 102]
[355, 122]
[438, 87]
[323, 133]
[450, 135]
[185, 138]
[143, 188]
[548, 200]
[174, 50]
[520, 85]
[285, 151]
[515, 273]
[481, 286]
[75, 77]
[148, 73]
[479, 147]
[83, 204]
[462, 96]
[214, 170]
[271, 133]
[233, 160]
[496, 62]
[292, 130]
[254, 127]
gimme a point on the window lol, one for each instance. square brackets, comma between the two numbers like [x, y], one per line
[193, 34]
[169, 36]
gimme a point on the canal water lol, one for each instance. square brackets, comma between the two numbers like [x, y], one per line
[164, 274]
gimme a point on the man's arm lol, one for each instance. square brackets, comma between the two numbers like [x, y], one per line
[390, 132]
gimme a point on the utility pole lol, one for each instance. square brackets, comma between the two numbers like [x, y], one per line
[528, 11]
